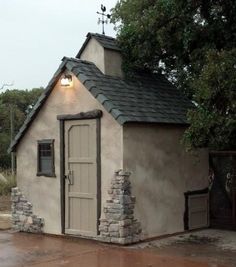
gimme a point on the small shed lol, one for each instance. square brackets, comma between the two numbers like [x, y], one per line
[100, 155]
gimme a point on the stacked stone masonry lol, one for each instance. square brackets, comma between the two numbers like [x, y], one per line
[23, 218]
[119, 225]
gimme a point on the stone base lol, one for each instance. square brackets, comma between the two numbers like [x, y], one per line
[119, 225]
[23, 218]
[119, 240]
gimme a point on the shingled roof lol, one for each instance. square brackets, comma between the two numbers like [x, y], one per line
[142, 99]
[106, 41]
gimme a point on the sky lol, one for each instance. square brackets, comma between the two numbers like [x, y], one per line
[36, 34]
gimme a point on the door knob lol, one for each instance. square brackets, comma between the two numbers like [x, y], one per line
[69, 177]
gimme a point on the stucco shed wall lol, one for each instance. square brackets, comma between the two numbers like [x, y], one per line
[161, 172]
[94, 52]
[108, 61]
[113, 62]
[44, 192]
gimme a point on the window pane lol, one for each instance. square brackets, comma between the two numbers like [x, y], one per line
[45, 150]
[45, 160]
[46, 164]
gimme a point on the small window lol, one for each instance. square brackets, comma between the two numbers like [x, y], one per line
[46, 158]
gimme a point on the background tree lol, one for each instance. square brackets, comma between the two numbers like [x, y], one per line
[180, 39]
[213, 122]
[21, 101]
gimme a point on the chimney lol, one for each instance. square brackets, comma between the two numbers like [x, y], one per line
[104, 52]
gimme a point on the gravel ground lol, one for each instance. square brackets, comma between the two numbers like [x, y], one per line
[216, 247]
[225, 240]
[5, 203]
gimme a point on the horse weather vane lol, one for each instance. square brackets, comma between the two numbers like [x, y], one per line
[104, 17]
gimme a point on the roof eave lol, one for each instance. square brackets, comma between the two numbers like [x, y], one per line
[41, 100]
[95, 91]
[89, 36]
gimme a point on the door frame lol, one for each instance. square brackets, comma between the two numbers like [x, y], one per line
[94, 114]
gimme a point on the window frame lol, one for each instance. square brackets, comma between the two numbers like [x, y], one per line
[52, 171]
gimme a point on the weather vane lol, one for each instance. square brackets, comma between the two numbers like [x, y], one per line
[104, 18]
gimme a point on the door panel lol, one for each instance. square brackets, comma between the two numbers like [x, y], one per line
[198, 206]
[81, 182]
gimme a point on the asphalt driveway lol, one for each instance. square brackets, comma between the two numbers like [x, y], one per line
[22, 249]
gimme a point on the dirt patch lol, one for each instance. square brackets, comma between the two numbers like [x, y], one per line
[5, 203]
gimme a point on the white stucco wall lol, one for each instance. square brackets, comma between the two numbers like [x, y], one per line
[161, 172]
[94, 52]
[44, 192]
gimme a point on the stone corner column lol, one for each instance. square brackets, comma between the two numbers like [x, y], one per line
[119, 225]
[23, 218]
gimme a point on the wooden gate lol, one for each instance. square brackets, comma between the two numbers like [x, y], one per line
[223, 190]
[196, 209]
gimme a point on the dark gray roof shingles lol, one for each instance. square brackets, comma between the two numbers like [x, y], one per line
[143, 99]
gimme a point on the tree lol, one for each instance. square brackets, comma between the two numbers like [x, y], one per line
[178, 38]
[213, 122]
[19, 101]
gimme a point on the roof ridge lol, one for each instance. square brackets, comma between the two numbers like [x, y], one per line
[77, 60]
[101, 35]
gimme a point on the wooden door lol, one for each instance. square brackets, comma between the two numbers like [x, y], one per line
[198, 211]
[81, 177]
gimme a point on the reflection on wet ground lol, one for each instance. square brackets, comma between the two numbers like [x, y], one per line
[22, 249]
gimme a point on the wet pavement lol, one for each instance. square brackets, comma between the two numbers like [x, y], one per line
[22, 249]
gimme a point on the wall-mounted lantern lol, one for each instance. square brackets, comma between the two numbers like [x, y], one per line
[66, 80]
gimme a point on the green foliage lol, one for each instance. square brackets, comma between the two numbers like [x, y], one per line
[186, 40]
[20, 102]
[5, 187]
[213, 122]
[173, 36]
